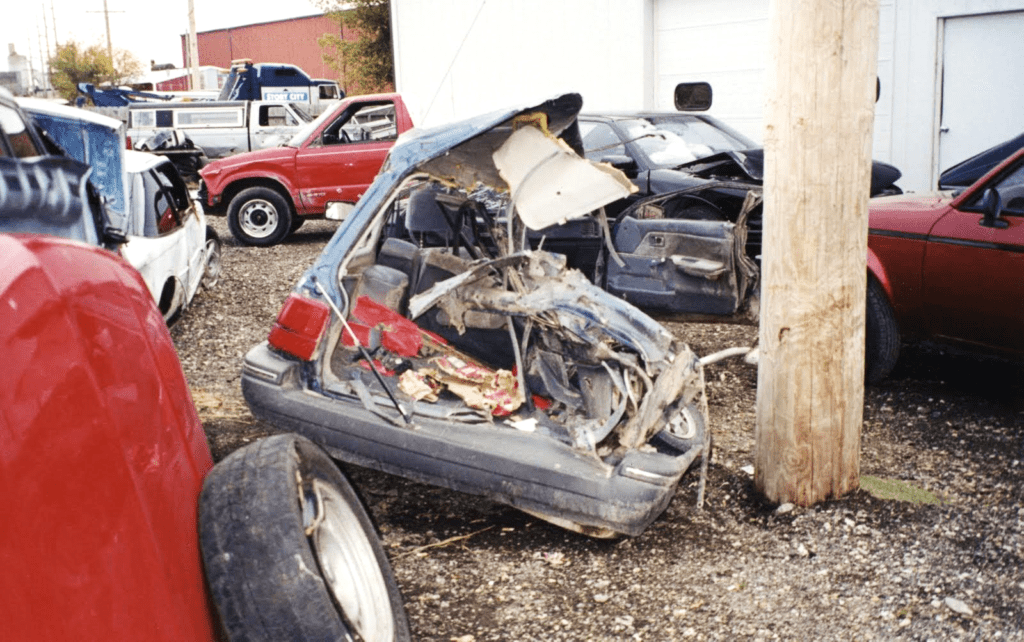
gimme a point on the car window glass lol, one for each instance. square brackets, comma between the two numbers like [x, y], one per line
[150, 187]
[227, 117]
[702, 138]
[600, 141]
[1011, 193]
[307, 130]
[22, 144]
[276, 116]
[366, 123]
[161, 217]
[302, 114]
[663, 148]
[172, 181]
[142, 118]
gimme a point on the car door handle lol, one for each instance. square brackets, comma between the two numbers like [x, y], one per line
[706, 268]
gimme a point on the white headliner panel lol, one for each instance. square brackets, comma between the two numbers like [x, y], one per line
[550, 183]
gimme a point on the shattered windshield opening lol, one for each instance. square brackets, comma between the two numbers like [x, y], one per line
[674, 142]
[301, 111]
[306, 130]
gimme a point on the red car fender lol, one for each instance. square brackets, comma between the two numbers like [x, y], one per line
[877, 270]
[221, 175]
[103, 454]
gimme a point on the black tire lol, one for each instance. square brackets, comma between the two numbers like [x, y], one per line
[881, 335]
[297, 222]
[685, 432]
[270, 581]
[212, 264]
[259, 216]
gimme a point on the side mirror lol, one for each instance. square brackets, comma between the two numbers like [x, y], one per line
[992, 206]
[693, 96]
[620, 162]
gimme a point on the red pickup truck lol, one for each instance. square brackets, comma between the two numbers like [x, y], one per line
[267, 194]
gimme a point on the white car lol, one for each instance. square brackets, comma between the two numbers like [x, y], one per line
[168, 239]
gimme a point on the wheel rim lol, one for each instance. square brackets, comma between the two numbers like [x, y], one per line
[258, 218]
[348, 563]
[684, 425]
[212, 268]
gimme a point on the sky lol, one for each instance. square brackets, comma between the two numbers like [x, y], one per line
[149, 30]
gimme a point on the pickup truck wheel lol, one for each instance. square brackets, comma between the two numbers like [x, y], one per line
[259, 216]
[289, 551]
[881, 335]
[297, 222]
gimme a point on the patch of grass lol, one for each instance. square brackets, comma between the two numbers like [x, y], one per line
[898, 490]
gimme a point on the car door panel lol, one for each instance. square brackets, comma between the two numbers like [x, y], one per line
[974, 281]
[677, 265]
[344, 160]
[337, 172]
[974, 264]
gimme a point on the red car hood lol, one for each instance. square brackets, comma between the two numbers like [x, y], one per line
[270, 154]
[908, 212]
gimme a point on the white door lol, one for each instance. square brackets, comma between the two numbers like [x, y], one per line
[982, 84]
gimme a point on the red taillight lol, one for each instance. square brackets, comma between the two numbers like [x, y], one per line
[299, 326]
[127, 142]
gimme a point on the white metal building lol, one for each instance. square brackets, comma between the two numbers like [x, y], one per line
[951, 71]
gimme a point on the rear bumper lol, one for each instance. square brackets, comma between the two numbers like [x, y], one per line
[527, 470]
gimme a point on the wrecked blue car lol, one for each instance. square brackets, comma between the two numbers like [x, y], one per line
[439, 338]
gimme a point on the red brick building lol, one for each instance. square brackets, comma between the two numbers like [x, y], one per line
[292, 41]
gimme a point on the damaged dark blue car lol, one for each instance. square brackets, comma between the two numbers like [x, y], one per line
[443, 335]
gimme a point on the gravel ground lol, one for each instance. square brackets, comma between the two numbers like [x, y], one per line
[943, 427]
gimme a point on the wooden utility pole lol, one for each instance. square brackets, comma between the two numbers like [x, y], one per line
[46, 61]
[106, 20]
[53, 16]
[820, 113]
[193, 48]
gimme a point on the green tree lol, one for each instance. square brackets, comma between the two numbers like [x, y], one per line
[74, 63]
[364, 63]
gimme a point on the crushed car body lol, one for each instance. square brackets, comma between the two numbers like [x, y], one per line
[434, 340]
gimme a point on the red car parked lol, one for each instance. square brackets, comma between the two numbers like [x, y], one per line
[948, 267]
[267, 193]
[104, 469]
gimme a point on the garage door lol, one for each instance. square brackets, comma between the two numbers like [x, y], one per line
[719, 41]
[982, 81]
